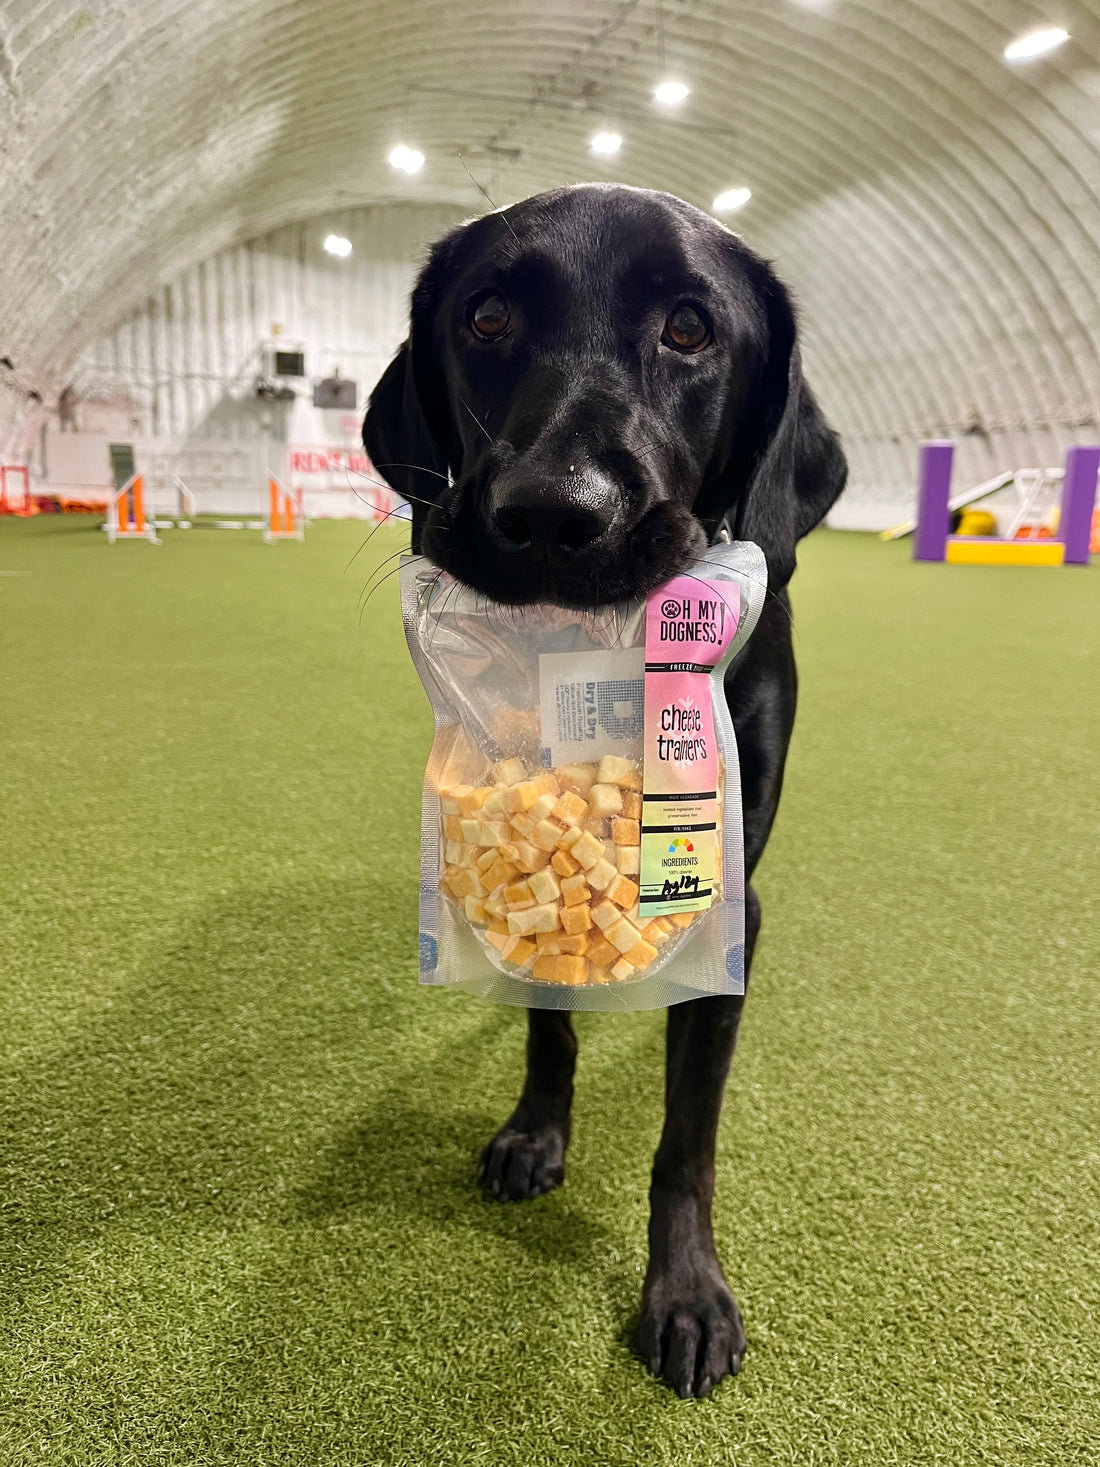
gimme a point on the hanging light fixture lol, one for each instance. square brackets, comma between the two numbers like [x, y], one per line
[407, 160]
[670, 93]
[1036, 43]
[731, 199]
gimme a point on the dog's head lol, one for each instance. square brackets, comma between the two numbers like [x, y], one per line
[592, 380]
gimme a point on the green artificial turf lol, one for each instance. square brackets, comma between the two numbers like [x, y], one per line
[240, 1223]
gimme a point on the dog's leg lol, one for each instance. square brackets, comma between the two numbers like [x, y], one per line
[690, 1330]
[526, 1157]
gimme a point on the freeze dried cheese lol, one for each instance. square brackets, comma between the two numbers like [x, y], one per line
[605, 799]
[545, 867]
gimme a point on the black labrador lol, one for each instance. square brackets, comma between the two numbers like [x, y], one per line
[597, 382]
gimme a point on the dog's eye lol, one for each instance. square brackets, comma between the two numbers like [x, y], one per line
[686, 329]
[490, 317]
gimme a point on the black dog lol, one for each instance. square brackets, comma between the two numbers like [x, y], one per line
[596, 383]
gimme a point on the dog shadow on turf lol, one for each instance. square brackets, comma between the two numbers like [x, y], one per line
[199, 1089]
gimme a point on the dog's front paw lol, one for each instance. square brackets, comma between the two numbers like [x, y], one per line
[690, 1332]
[518, 1163]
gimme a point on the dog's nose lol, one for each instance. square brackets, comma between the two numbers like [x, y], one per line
[557, 518]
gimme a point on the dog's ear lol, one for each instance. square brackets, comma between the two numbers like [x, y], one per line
[781, 478]
[408, 430]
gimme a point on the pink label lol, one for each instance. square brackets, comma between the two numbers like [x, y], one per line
[689, 626]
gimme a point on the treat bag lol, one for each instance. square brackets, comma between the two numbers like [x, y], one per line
[581, 834]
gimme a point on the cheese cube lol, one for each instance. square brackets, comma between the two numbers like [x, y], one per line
[500, 873]
[467, 854]
[545, 835]
[655, 934]
[632, 781]
[520, 797]
[498, 925]
[622, 891]
[494, 803]
[682, 919]
[569, 809]
[470, 800]
[465, 882]
[578, 919]
[452, 851]
[487, 858]
[605, 914]
[544, 967]
[632, 805]
[602, 874]
[570, 970]
[475, 911]
[499, 940]
[587, 850]
[622, 969]
[634, 914]
[546, 784]
[630, 860]
[518, 896]
[605, 799]
[574, 890]
[622, 934]
[641, 955]
[542, 808]
[452, 827]
[545, 918]
[598, 975]
[447, 802]
[573, 945]
[509, 771]
[663, 923]
[521, 951]
[601, 953]
[545, 885]
[578, 777]
[614, 770]
[564, 864]
[568, 839]
[528, 857]
[625, 832]
[522, 823]
[471, 830]
[494, 833]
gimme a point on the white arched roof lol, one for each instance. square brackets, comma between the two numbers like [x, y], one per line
[936, 209]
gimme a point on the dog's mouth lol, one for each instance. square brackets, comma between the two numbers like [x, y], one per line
[622, 564]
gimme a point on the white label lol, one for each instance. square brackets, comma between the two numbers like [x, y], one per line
[591, 703]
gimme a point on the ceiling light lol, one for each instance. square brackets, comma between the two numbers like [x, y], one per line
[1036, 43]
[409, 160]
[606, 142]
[732, 198]
[671, 92]
[336, 244]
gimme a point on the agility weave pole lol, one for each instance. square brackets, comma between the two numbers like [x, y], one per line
[1070, 546]
[18, 501]
[126, 517]
[285, 520]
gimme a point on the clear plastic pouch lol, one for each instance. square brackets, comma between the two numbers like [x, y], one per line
[581, 835]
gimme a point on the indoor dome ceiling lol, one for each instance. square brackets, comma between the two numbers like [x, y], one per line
[937, 209]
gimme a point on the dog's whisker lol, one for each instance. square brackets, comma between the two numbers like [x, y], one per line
[476, 419]
[420, 469]
[404, 550]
